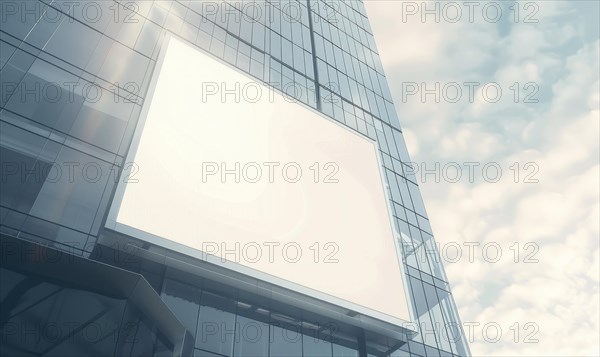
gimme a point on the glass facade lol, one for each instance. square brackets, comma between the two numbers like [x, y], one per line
[74, 76]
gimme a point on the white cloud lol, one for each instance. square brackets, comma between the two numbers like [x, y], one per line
[559, 215]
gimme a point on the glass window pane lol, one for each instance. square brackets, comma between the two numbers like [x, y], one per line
[73, 42]
[216, 325]
[285, 342]
[251, 337]
[184, 302]
[343, 351]
[314, 344]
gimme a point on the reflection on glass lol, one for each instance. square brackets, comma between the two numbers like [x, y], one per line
[184, 302]
[284, 342]
[216, 325]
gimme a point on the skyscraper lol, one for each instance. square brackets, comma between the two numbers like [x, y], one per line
[150, 149]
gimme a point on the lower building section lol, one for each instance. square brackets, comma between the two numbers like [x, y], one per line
[125, 300]
[57, 304]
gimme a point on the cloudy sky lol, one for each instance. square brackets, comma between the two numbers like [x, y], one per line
[542, 132]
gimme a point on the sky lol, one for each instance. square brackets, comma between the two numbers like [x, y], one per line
[517, 115]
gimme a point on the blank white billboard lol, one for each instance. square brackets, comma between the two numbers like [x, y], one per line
[231, 172]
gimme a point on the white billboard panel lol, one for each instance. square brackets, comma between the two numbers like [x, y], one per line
[227, 168]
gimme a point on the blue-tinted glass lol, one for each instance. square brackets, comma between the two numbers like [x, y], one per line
[343, 351]
[285, 342]
[201, 353]
[251, 337]
[315, 344]
[216, 324]
[184, 301]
